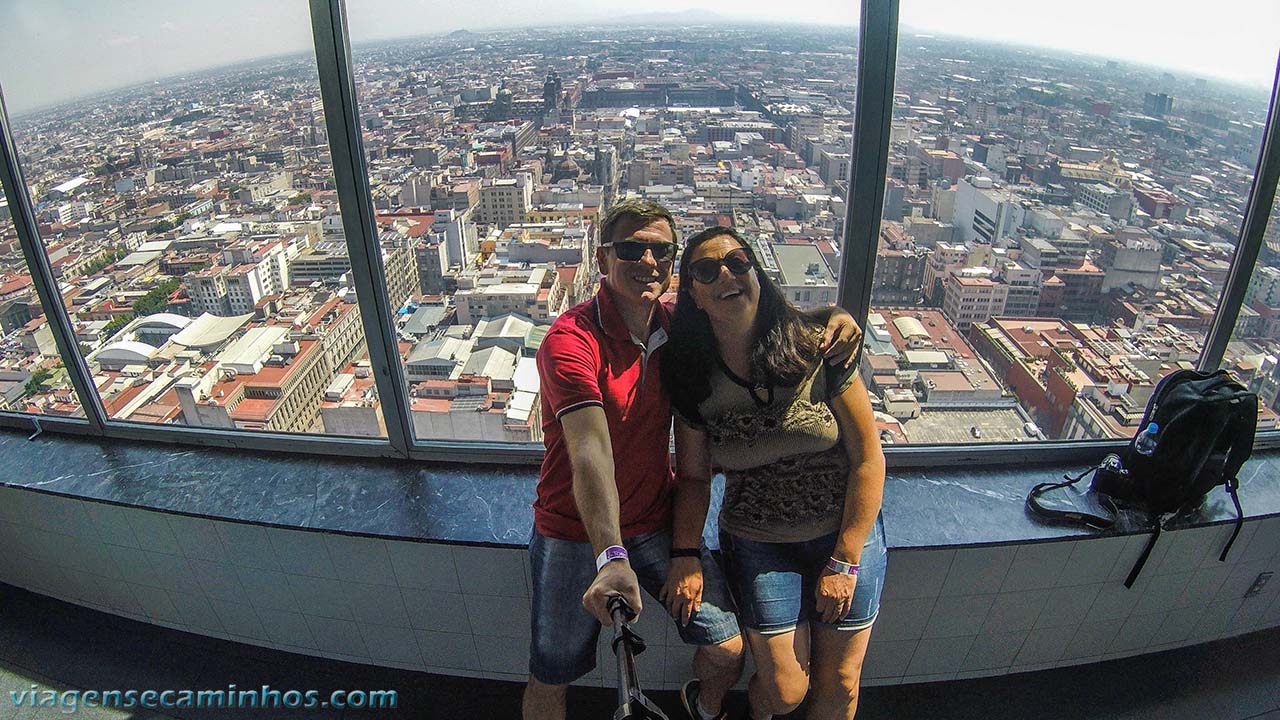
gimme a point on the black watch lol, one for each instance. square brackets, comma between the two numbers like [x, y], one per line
[686, 552]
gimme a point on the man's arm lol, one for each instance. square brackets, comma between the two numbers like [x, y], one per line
[586, 435]
[841, 338]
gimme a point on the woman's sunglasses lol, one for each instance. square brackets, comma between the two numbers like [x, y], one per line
[633, 250]
[707, 269]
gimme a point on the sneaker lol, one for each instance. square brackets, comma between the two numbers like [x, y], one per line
[689, 700]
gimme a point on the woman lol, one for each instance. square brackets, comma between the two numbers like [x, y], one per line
[799, 528]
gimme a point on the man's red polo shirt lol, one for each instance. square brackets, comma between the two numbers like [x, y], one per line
[590, 358]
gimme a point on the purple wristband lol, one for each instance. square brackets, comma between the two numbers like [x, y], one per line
[842, 568]
[611, 553]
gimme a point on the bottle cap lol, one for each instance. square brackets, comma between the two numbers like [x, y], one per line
[1153, 428]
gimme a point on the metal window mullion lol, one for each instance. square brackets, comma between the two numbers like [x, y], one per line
[24, 221]
[34, 424]
[1256, 216]
[496, 453]
[274, 441]
[1083, 453]
[342, 121]
[872, 120]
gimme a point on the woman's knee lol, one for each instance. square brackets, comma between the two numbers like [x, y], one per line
[837, 686]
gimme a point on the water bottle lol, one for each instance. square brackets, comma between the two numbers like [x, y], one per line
[1145, 443]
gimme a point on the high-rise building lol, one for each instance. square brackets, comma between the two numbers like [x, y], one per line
[1080, 298]
[557, 243]
[1024, 283]
[1112, 202]
[803, 275]
[1160, 204]
[987, 213]
[503, 202]
[1132, 259]
[401, 268]
[491, 292]
[430, 255]
[1157, 104]
[898, 277]
[1264, 287]
[262, 381]
[552, 89]
[834, 167]
[972, 299]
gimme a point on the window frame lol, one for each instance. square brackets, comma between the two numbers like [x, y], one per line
[864, 204]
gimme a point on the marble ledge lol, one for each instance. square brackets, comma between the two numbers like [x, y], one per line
[490, 504]
[469, 504]
[987, 505]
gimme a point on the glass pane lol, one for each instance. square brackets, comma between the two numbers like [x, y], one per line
[1253, 354]
[493, 154]
[32, 378]
[181, 174]
[1063, 201]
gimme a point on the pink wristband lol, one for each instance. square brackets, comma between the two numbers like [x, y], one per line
[842, 568]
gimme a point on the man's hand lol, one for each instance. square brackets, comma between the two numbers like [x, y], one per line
[615, 578]
[840, 339]
[834, 595]
[683, 592]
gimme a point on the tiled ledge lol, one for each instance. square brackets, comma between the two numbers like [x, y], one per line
[947, 613]
[377, 562]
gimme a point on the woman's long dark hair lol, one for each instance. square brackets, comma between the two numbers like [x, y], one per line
[784, 347]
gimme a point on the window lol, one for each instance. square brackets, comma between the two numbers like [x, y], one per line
[1063, 201]
[32, 378]
[180, 177]
[1253, 352]
[553, 126]
[1060, 213]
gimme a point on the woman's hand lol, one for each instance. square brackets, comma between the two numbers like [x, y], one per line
[683, 592]
[834, 595]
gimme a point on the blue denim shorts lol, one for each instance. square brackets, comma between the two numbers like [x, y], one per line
[563, 643]
[773, 583]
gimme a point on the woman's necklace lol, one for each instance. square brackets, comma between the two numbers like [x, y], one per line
[752, 388]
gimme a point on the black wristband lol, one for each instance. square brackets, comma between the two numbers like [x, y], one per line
[686, 552]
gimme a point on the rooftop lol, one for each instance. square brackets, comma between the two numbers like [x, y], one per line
[802, 265]
[955, 426]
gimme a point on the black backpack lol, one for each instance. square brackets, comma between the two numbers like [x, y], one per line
[1207, 422]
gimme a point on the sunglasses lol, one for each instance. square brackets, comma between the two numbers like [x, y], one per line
[707, 269]
[633, 250]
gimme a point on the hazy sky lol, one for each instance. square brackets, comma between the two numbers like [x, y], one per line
[52, 50]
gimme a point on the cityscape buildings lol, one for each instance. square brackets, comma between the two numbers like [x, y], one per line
[1057, 229]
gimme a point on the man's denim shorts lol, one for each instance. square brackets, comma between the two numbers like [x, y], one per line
[773, 583]
[563, 646]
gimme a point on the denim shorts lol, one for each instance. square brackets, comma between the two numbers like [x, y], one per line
[563, 643]
[773, 583]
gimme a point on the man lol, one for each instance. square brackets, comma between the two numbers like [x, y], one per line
[603, 522]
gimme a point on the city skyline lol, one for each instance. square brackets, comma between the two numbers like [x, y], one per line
[138, 45]
[1055, 236]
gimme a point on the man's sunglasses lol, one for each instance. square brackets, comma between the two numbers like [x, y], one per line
[707, 269]
[633, 250]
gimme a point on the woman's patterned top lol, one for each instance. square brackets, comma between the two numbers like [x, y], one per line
[785, 468]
